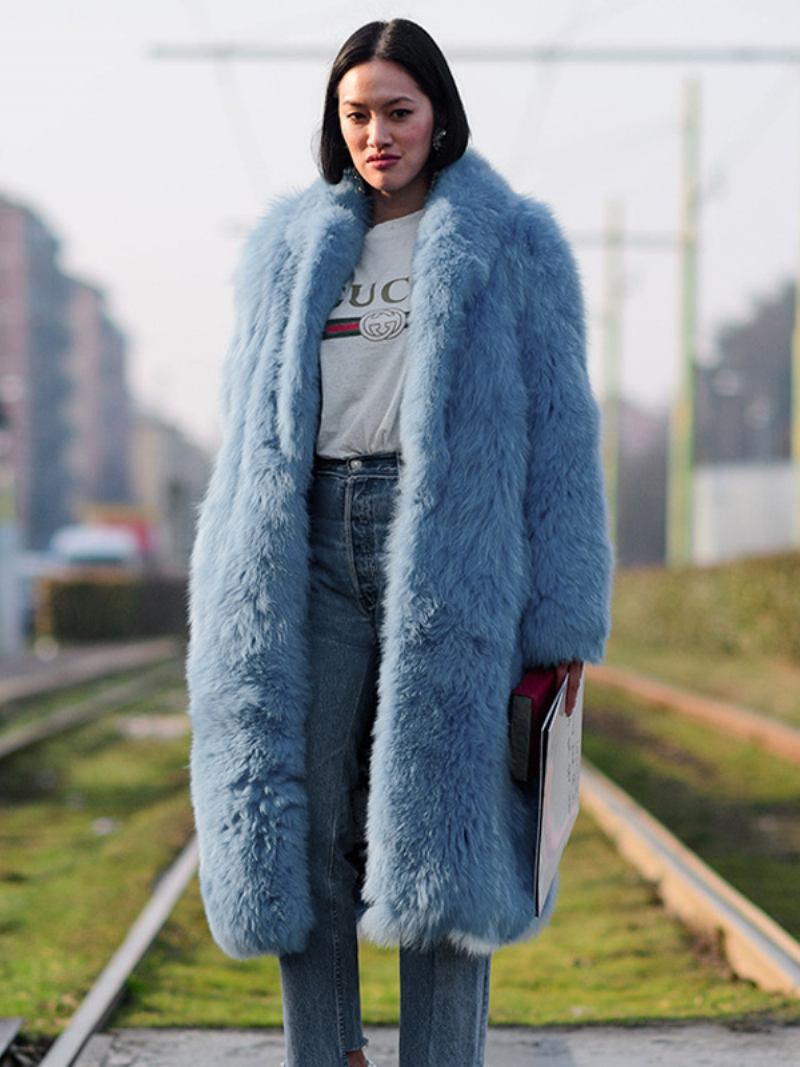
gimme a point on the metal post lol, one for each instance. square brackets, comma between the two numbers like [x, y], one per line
[795, 402]
[680, 520]
[612, 359]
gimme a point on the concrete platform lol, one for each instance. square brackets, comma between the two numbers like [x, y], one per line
[667, 1045]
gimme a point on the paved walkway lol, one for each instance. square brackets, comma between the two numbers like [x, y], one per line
[667, 1045]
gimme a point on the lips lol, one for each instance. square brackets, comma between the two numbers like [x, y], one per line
[384, 163]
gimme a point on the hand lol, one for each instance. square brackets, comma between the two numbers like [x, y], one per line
[575, 669]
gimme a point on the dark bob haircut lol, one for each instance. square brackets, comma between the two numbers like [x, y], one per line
[403, 42]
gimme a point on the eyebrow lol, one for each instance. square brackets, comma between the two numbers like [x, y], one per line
[357, 103]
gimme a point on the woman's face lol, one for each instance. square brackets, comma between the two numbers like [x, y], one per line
[384, 113]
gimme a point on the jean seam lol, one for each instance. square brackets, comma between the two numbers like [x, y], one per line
[484, 1016]
[337, 977]
[434, 987]
[337, 956]
[351, 560]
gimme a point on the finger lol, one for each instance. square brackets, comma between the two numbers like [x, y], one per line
[561, 672]
[572, 687]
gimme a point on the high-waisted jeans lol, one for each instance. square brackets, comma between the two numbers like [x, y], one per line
[444, 993]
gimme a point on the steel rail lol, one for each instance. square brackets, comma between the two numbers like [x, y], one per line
[17, 738]
[104, 994]
[756, 947]
[776, 737]
[9, 1026]
[91, 666]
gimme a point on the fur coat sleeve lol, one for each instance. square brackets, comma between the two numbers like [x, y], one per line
[567, 615]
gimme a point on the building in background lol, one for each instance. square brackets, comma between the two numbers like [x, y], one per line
[99, 407]
[63, 382]
[168, 476]
[34, 373]
[74, 456]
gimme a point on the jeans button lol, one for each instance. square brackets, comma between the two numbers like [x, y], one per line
[355, 464]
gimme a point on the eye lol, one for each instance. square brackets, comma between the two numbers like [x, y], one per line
[355, 115]
[401, 111]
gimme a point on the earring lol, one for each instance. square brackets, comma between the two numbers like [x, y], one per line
[438, 139]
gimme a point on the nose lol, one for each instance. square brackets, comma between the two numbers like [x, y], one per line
[379, 134]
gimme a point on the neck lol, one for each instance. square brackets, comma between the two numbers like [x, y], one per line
[393, 205]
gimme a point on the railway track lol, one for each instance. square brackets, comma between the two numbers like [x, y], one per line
[76, 668]
[755, 947]
[99, 1002]
[775, 737]
[16, 738]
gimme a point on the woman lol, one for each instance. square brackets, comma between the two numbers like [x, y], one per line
[405, 513]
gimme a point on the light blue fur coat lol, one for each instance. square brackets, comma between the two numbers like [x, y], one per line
[498, 558]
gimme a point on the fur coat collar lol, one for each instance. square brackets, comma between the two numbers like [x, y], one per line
[498, 558]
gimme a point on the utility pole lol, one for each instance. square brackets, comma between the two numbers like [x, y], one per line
[680, 509]
[612, 359]
[795, 402]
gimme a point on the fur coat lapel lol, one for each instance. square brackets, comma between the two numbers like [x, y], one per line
[454, 249]
[475, 567]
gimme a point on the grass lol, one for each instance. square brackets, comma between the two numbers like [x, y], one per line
[610, 954]
[89, 820]
[737, 806]
[769, 684]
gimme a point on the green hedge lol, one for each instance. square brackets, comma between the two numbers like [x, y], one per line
[748, 606]
[103, 606]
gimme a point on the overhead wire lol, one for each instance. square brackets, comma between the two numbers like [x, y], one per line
[543, 82]
[234, 107]
[748, 135]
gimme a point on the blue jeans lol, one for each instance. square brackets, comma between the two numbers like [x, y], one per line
[444, 993]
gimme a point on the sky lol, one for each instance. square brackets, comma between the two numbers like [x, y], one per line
[150, 171]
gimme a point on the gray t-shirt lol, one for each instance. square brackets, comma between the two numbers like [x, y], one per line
[362, 352]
